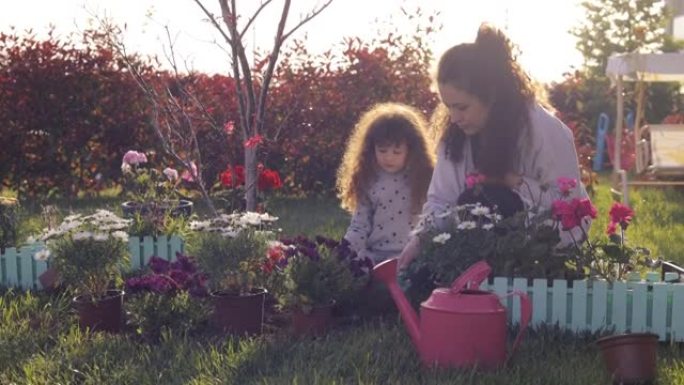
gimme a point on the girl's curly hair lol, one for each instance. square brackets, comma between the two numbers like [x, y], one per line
[386, 123]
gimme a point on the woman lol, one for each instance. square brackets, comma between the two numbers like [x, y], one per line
[496, 127]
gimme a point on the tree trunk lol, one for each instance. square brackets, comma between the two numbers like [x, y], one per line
[251, 178]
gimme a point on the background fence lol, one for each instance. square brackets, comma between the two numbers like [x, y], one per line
[19, 269]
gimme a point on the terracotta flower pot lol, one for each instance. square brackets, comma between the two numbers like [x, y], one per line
[314, 322]
[239, 314]
[630, 358]
[101, 314]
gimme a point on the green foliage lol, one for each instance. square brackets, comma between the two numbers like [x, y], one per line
[156, 222]
[611, 27]
[618, 26]
[9, 222]
[231, 262]
[153, 314]
[316, 273]
[88, 252]
[230, 249]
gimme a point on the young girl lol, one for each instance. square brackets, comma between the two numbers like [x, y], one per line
[384, 178]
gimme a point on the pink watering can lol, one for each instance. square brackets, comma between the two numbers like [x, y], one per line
[458, 326]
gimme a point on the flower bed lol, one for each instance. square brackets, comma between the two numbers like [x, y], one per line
[18, 267]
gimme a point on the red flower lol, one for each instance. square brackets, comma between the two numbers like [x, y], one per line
[269, 180]
[233, 178]
[621, 214]
[240, 174]
[254, 141]
[610, 230]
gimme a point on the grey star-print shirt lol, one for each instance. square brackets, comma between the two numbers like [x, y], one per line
[382, 221]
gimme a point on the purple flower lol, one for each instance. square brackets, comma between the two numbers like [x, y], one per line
[185, 263]
[180, 277]
[282, 263]
[135, 285]
[161, 284]
[310, 252]
[158, 265]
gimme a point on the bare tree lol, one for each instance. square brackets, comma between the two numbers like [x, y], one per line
[252, 83]
[176, 112]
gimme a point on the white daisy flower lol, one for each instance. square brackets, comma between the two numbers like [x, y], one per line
[82, 235]
[100, 237]
[488, 226]
[443, 214]
[42, 255]
[441, 238]
[480, 211]
[121, 235]
[467, 225]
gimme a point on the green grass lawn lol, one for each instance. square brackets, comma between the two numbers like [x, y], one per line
[39, 343]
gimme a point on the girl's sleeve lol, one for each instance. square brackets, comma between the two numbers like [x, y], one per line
[360, 227]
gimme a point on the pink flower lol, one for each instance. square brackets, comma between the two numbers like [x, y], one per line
[565, 185]
[571, 214]
[254, 141]
[132, 158]
[474, 179]
[610, 230]
[621, 214]
[189, 177]
[229, 127]
[171, 174]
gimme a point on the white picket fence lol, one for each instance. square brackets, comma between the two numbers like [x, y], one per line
[19, 269]
[656, 307]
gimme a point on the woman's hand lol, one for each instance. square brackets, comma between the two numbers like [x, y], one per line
[409, 253]
[512, 180]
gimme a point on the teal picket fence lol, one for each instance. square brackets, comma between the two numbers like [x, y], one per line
[19, 269]
[656, 307]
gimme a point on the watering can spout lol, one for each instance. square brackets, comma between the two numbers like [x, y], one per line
[386, 272]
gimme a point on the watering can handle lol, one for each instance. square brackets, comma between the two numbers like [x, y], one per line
[525, 316]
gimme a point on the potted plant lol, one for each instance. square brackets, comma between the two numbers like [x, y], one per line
[167, 296]
[316, 274]
[514, 242]
[88, 253]
[629, 357]
[229, 249]
[151, 193]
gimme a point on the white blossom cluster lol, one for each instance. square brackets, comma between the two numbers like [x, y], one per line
[230, 225]
[100, 227]
[462, 217]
